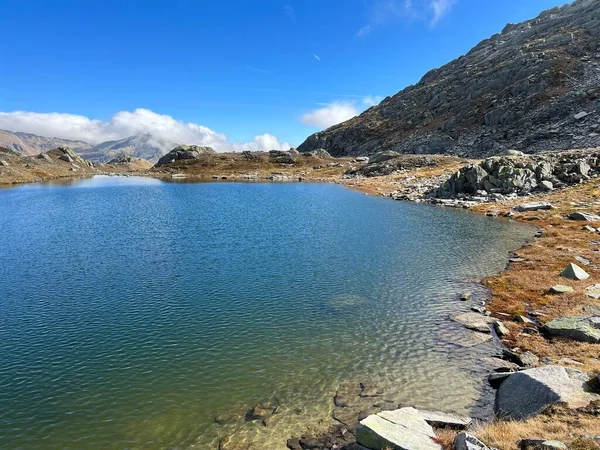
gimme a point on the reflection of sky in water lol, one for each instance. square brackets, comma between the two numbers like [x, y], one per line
[133, 312]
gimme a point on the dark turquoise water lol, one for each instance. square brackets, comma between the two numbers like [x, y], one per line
[132, 310]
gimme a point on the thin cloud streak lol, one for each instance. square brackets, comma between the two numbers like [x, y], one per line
[317, 57]
[290, 12]
[259, 70]
[385, 12]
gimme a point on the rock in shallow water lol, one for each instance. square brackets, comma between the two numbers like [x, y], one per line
[473, 321]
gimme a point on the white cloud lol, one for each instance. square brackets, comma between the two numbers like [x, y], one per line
[371, 100]
[330, 114]
[364, 31]
[317, 57]
[440, 9]
[385, 12]
[129, 123]
[290, 12]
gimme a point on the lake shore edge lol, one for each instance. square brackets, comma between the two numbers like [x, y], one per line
[522, 290]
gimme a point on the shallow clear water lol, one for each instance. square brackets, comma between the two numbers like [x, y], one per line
[133, 310]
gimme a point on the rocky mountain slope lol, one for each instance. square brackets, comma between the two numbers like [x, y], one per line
[143, 146]
[533, 87]
[61, 162]
[31, 144]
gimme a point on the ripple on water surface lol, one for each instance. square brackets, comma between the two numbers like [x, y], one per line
[133, 311]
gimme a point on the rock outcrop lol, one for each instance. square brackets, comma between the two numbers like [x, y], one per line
[184, 153]
[522, 175]
[533, 87]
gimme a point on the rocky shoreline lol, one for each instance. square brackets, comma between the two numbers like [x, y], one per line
[548, 336]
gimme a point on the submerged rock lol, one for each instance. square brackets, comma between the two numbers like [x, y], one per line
[527, 393]
[584, 329]
[473, 321]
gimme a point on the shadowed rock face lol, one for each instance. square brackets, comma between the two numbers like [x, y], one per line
[533, 87]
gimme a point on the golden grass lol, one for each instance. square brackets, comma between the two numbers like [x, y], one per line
[557, 423]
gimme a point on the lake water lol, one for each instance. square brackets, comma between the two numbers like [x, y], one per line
[133, 310]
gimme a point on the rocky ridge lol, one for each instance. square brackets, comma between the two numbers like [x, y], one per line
[533, 87]
[496, 177]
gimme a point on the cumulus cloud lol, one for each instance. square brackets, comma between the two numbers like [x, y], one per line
[330, 114]
[385, 12]
[129, 123]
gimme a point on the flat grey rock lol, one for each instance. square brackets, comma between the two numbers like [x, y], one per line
[473, 321]
[583, 329]
[528, 393]
[593, 291]
[440, 419]
[561, 289]
[534, 206]
[402, 429]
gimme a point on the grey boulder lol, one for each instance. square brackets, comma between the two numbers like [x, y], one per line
[584, 216]
[528, 393]
[583, 329]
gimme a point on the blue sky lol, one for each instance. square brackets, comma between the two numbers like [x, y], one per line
[225, 71]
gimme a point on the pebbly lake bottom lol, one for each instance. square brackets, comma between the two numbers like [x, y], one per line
[137, 313]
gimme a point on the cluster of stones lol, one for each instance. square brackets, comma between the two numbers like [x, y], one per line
[499, 176]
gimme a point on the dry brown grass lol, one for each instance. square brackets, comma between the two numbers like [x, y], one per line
[557, 423]
[233, 166]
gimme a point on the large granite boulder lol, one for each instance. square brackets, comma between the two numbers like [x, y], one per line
[184, 152]
[383, 156]
[318, 153]
[584, 329]
[527, 393]
[403, 429]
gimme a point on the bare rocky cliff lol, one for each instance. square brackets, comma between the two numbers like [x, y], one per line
[534, 87]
